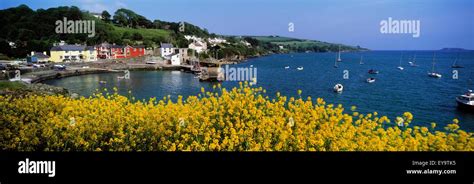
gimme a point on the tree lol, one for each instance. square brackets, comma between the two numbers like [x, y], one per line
[137, 36]
[120, 18]
[254, 42]
[106, 16]
[126, 35]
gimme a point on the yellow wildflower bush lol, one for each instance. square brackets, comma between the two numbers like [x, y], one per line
[242, 119]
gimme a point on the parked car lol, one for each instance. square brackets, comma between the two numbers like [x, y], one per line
[59, 67]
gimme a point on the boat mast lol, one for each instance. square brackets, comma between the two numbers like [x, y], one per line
[401, 59]
[455, 60]
[339, 54]
[432, 68]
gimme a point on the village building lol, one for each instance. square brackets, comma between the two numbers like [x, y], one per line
[166, 50]
[38, 57]
[112, 51]
[199, 47]
[175, 59]
[73, 53]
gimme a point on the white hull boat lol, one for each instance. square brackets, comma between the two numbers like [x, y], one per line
[338, 88]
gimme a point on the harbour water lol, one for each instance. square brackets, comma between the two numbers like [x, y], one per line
[394, 92]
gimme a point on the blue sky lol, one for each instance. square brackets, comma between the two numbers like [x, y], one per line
[444, 23]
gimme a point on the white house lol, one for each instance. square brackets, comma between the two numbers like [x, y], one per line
[246, 43]
[175, 59]
[199, 47]
[166, 49]
[215, 41]
[193, 38]
[97, 15]
[40, 57]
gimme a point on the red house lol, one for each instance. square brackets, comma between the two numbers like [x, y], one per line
[120, 51]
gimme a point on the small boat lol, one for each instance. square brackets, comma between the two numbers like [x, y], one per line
[120, 77]
[287, 67]
[151, 62]
[455, 64]
[400, 65]
[102, 82]
[433, 73]
[339, 55]
[338, 88]
[466, 101]
[372, 71]
[412, 63]
[300, 68]
[371, 80]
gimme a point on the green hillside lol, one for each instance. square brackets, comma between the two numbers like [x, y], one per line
[301, 45]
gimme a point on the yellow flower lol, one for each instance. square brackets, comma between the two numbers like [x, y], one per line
[240, 119]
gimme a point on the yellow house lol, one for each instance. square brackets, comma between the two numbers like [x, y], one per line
[73, 53]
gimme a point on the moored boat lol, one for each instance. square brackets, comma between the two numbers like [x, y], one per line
[338, 88]
[433, 73]
[400, 65]
[455, 65]
[372, 71]
[371, 80]
[466, 101]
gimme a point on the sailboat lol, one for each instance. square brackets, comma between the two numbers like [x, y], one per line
[400, 65]
[455, 64]
[339, 55]
[433, 73]
[360, 62]
[412, 63]
[335, 63]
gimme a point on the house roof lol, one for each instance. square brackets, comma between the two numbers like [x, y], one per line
[68, 48]
[41, 55]
[90, 48]
[104, 44]
[117, 46]
[166, 45]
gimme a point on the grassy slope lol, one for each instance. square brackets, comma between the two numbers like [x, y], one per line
[146, 33]
[285, 41]
[7, 85]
